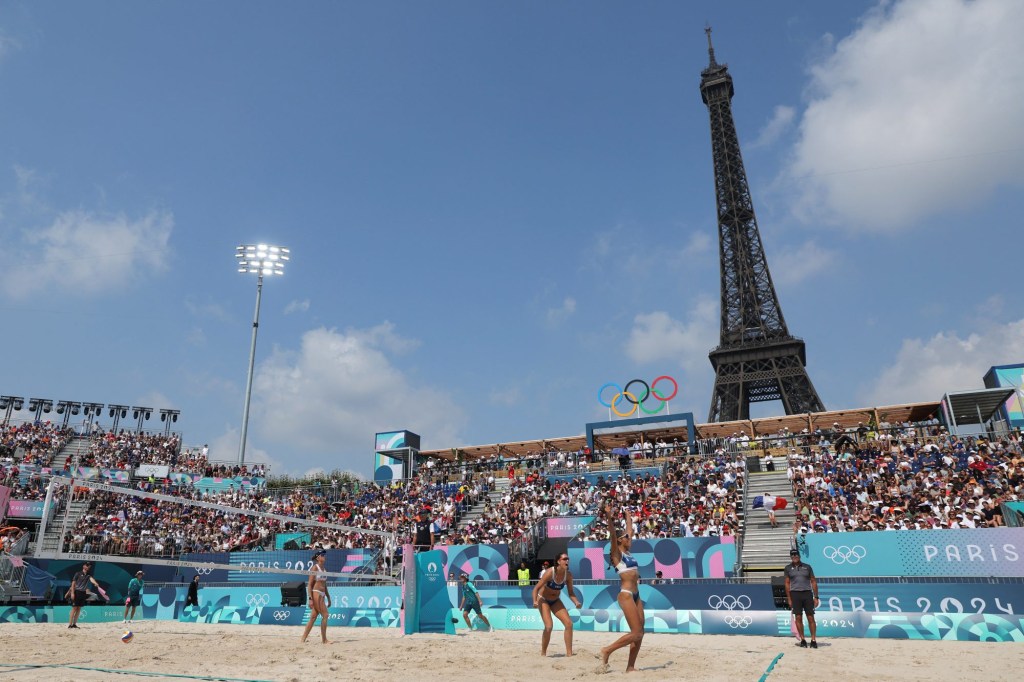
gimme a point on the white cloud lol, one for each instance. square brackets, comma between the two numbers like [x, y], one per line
[224, 448]
[926, 369]
[297, 307]
[699, 243]
[8, 44]
[782, 118]
[155, 400]
[916, 112]
[208, 308]
[331, 395]
[508, 397]
[657, 337]
[563, 312]
[85, 253]
[196, 337]
[793, 266]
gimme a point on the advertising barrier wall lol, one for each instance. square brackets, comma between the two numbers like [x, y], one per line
[980, 552]
[674, 557]
[5, 495]
[25, 509]
[114, 575]
[487, 562]
[608, 475]
[338, 561]
[1005, 597]
[567, 526]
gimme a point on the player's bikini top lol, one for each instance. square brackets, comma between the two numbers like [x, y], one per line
[626, 563]
[552, 585]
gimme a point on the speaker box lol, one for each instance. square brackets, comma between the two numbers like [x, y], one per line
[294, 593]
[779, 592]
[291, 544]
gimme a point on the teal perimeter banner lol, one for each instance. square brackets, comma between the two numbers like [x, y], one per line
[977, 552]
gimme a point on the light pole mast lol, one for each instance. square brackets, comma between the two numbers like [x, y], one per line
[258, 259]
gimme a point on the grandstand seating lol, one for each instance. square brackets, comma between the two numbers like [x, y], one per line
[901, 481]
[31, 443]
[845, 478]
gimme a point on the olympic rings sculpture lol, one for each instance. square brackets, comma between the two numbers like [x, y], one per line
[638, 403]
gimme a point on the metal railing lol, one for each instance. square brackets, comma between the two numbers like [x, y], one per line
[12, 572]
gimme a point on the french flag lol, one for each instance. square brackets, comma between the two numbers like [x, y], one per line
[770, 502]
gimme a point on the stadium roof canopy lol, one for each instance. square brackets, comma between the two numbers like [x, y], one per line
[974, 407]
[753, 428]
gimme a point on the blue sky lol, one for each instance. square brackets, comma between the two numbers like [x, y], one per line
[493, 208]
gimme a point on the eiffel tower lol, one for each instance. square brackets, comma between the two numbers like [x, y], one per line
[756, 359]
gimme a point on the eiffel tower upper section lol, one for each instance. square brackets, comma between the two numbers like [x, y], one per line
[757, 359]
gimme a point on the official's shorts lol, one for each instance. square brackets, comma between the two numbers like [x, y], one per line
[131, 601]
[803, 602]
[472, 606]
[81, 596]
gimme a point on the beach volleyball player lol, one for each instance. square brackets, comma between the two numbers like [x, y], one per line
[319, 595]
[547, 596]
[629, 588]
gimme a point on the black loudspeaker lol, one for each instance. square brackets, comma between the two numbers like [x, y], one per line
[291, 544]
[293, 594]
[779, 592]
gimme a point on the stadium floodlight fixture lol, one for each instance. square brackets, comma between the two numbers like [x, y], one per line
[168, 417]
[91, 411]
[68, 408]
[141, 414]
[39, 406]
[10, 403]
[262, 259]
[259, 260]
[118, 412]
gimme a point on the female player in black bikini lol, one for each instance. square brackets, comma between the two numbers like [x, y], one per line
[319, 596]
[547, 596]
[629, 593]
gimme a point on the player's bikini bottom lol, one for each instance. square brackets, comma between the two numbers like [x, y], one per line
[635, 595]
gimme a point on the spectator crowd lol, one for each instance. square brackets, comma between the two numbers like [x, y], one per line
[902, 481]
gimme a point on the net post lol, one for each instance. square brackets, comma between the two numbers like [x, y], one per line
[410, 593]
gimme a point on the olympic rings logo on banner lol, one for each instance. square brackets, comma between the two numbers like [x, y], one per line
[204, 570]
[281, 615]
[257, 599]
[729, 602]
[638, 402]
[844, 555]
[738, 621]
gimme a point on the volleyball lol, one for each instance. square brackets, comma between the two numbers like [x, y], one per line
[127, 637]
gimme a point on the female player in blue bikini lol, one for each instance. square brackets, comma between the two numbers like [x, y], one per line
[319, 596]
[547, 596]
[629, 589]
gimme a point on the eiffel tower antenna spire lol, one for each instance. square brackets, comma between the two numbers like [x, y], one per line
[711, 48]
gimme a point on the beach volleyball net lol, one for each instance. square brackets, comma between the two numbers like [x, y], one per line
[93, 521]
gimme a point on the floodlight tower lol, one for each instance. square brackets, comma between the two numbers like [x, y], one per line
[68, 408]
[10, 403]
[39, 406]
[259, 260]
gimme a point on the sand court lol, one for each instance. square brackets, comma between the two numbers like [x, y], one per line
[171, 650]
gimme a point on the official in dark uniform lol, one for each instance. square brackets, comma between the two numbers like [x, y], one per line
[802, 593]
[424, 531]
